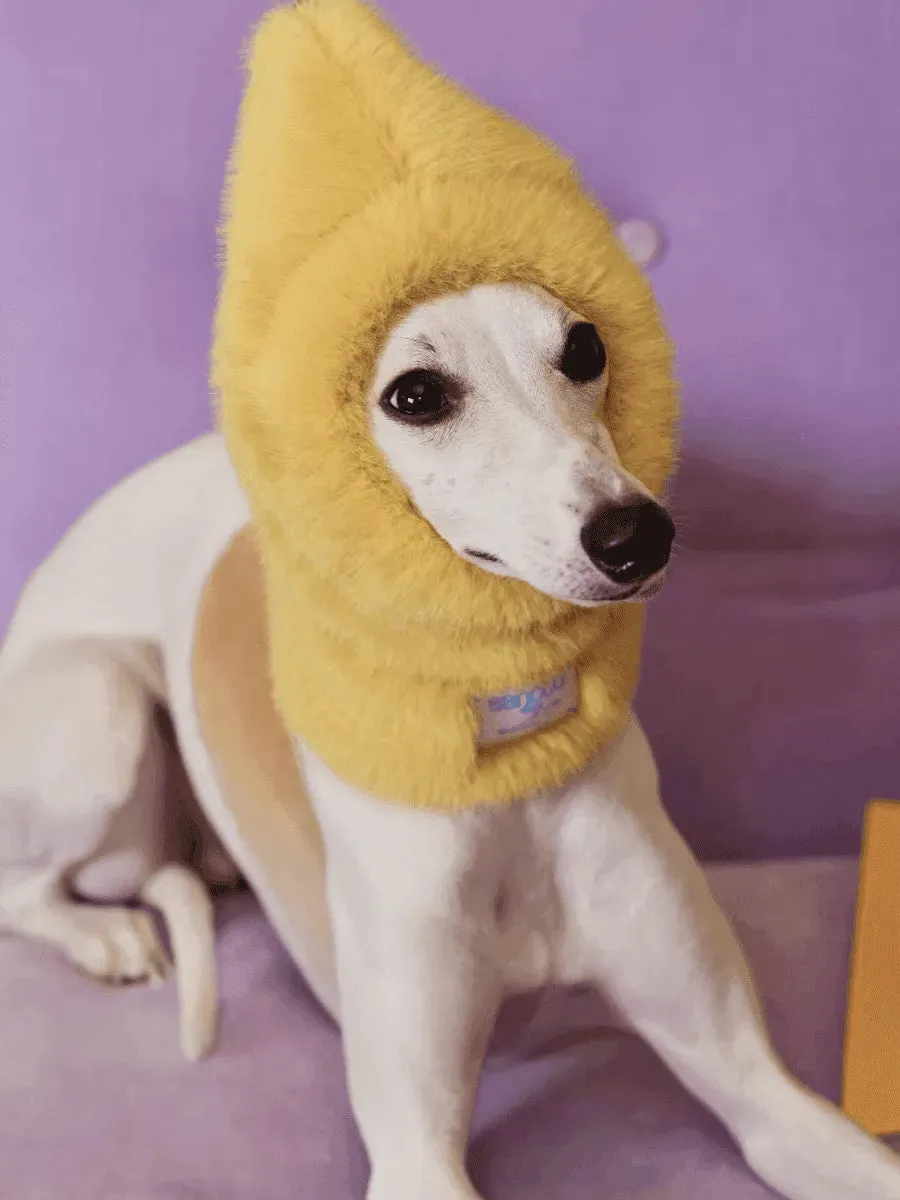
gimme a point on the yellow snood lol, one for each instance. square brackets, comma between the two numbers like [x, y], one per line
[363, 183]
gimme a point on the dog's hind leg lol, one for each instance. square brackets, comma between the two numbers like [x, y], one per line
[76, 726]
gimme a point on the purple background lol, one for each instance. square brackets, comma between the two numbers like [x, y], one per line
[765, 138]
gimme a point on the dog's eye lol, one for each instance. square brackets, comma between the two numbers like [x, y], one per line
[584, 355]
[420, 396]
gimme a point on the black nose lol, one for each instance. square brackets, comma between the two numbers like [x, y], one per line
[630, 541]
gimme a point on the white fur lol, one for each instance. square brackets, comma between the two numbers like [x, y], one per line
[434, 917]
[519, 469]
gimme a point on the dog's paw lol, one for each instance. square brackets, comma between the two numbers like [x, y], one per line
[117, 946]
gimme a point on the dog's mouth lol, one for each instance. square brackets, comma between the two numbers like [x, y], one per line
[483, 556]
[640, 589]
[603, 594]
[644, 589]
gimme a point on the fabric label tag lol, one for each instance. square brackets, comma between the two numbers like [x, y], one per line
[507, 715]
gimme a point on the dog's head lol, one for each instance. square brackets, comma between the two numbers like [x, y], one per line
[488, 406]
[431, 350]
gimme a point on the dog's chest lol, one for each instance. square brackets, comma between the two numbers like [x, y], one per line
[527, 913]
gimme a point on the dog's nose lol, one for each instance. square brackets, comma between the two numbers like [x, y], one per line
[629, 541]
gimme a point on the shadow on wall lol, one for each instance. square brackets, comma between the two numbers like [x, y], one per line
[771, 691]
[728, 502]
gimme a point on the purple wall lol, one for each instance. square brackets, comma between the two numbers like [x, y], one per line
[766, 140]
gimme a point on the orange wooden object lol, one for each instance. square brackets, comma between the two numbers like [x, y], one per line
[871, 1092]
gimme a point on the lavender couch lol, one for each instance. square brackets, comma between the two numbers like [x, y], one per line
[763, 139]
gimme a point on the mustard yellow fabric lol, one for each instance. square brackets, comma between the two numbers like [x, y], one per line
[362, 183]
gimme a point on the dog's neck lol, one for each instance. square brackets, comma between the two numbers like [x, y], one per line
[411, 711]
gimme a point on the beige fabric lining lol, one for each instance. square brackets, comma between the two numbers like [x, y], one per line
[281, 849]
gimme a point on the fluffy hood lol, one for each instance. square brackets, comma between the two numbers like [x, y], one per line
[361, 184]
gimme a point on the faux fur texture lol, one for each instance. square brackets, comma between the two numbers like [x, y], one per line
[362, 183]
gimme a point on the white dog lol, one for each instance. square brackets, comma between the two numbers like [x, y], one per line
[434, 917]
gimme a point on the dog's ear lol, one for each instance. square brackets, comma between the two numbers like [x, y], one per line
[336, 109]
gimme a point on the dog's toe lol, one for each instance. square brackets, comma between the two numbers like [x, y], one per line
[119, 946]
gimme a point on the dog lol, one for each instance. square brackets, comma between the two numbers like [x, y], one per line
[430, 918]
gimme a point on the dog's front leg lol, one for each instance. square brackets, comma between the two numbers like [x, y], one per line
[643, 925]
[410, 895]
